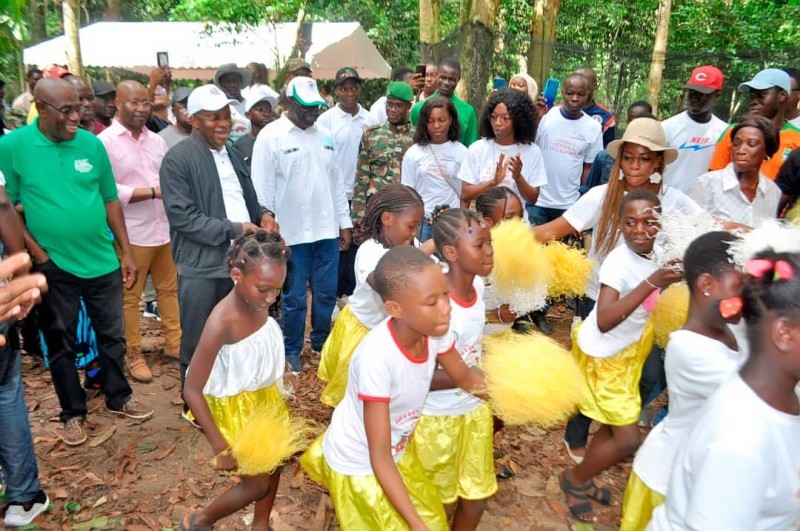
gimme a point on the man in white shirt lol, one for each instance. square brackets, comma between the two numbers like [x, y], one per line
[570, 140]
[695, 131]
[347, 122]
[378, 109]
[210, 201]
[231, 80]
[296, 174]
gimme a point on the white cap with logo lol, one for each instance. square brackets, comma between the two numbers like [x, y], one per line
[304, 91]
[261, 93]
[207, 98]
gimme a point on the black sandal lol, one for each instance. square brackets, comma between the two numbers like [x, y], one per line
[601, 494]
[192, 526]
[582, 510]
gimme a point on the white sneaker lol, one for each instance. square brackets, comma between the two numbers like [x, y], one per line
[18, 516]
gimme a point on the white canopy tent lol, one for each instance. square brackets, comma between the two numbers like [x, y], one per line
[196, 49]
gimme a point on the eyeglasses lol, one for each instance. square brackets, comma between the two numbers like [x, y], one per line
[65, 110]
[502, 118]
[138, 103]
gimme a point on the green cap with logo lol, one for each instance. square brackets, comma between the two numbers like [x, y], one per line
[400, 90]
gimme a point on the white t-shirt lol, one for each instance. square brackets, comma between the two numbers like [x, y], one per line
[365, 303]
[381, 370]
[566, 146]
[739, 468]
[481, 163]
[466, 324]
[240, 125]
[378, 111]
[695, 144]
[585, 215]
[232, 195]
[347, 131]
[622, 270]
[431, 170]
[696, 365]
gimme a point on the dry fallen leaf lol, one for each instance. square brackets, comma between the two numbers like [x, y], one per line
[100, 501]
[164, 453]
[103, 437]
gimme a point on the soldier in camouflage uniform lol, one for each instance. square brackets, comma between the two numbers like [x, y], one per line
[382, 148]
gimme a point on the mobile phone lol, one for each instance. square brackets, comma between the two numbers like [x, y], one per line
[305, 32]
[421, 70]
[498, 83]
[550, 91]
[162, 59]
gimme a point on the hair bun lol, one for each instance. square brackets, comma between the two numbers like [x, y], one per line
[438, 211]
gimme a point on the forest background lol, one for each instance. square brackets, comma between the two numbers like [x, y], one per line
[641, 49]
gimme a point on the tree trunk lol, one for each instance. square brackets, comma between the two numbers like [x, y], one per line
[543, 34]
[478, 19]
[659, 53]
[37, 18]
[71, 11]
[430, 30]
[112, 11]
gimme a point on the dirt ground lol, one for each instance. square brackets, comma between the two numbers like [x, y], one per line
[145, 475]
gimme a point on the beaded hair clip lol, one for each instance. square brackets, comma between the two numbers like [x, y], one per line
[236, 247]
[781, 270]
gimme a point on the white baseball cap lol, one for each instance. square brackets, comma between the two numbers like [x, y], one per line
[261, 93]
[207, 98]
[304, 91]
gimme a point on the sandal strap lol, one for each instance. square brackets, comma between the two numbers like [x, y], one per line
[601, 494]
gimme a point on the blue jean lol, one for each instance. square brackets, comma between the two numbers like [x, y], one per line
[538, 215]
[425, 231]
[317, 264]
[16, 444]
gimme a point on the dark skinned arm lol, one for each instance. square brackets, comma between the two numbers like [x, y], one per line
[612, 310]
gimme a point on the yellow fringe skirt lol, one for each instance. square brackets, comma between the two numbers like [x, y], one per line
[611, 385]
[457, 454]
[638, 504]
[360, 502]
[232, 413]
[336, 354]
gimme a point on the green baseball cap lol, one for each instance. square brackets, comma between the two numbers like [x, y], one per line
[400, 91]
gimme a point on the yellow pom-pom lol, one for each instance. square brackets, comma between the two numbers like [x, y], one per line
[521, 271]
[670, 313]
[571, 270]
[270, 437]
[531, 379]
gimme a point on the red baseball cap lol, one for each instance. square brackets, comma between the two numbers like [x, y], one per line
[56, 71]
[705, 79]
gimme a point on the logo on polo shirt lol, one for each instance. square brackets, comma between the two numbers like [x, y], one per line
[83, 166]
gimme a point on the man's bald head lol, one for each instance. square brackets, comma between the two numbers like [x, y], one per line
[59, 108]
[133, 105]
[589, 73]
[86, 95]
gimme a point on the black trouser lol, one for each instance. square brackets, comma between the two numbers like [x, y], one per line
[58, 318]
[196, 298]
[347, 272]
[577, 432]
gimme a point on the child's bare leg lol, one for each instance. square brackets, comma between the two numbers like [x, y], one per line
[249, 489]
[468, 514]
[264, 505]
[610, 445]
[450, 509]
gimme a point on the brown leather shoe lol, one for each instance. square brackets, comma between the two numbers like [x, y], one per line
[134, 409]
[137, 366]
[74, 434]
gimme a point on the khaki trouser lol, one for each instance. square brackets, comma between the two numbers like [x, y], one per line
[158, 262]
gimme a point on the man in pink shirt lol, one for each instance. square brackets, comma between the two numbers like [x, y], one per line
[136, 154]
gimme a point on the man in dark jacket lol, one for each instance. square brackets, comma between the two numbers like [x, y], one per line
[210, 200]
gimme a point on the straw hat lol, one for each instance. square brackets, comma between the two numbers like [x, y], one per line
[648, 133]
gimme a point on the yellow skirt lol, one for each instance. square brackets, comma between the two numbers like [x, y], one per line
[335, 358]
[611, 385]
[638, 504]
[231, 413]
[457, 454]
[360, 502]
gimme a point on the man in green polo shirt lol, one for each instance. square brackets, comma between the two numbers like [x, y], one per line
[62, 177]
[448, 77]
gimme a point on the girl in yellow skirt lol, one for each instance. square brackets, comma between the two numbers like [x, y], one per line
[611, 347]
[393, 217]
[234, 371]
[454, 437]
[699, 358]
[362, 459]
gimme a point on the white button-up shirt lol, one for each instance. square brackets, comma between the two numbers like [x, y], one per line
[347, 131]
[718, 193]
[232, 194]
[296, 176]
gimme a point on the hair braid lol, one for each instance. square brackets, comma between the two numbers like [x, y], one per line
[257, 246]
[394, 198]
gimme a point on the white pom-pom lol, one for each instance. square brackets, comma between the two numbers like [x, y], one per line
[778, 235]
[678, 230]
